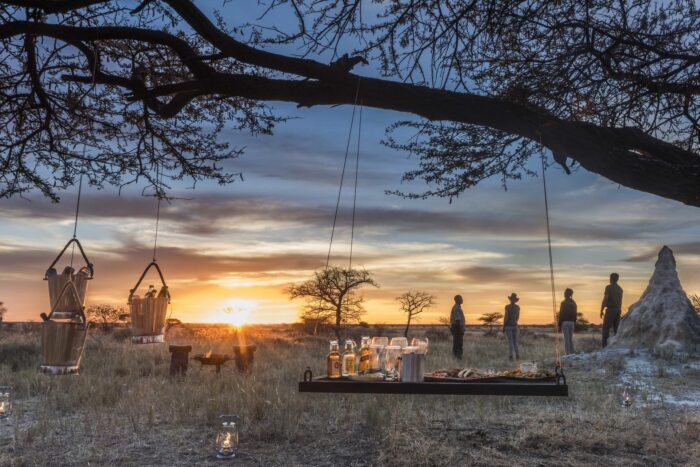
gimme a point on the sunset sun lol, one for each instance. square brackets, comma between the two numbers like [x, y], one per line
[237, 312]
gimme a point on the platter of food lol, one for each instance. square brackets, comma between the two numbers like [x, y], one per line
[475, 375]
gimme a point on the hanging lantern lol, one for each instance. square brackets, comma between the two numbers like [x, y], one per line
[66, 305]
[148, 313]
[227, 437]
[5, 401]
[63, 334]
[627, 395]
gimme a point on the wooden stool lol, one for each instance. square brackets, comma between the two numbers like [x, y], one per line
[244, 357]
[179, 359]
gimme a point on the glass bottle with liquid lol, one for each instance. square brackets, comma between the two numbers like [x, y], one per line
[349, 359]
[365, 356]
[333, 361]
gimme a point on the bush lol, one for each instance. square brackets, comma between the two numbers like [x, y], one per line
[19, 356]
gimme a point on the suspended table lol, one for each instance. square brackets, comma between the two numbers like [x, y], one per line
[498, 386]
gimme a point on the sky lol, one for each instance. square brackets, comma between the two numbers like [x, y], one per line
[242, 245]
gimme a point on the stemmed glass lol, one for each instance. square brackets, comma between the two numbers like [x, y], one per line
[421, 343]
[399, 341]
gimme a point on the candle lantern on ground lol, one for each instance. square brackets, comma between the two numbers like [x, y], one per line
[626, 395]
[5, 401]
[227, 437]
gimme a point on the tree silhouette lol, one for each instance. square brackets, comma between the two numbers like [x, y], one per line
[3, 310]
[107, 314]
[414, 303]
[491, 319]
[123, 94]
[332, 295]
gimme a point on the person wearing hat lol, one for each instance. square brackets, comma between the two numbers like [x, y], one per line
[510, 325]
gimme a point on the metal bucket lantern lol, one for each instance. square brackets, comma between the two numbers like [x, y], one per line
[148, 313]
[65, 306]
[63, 335]
[227, 437]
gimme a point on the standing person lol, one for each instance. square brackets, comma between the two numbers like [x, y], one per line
[510, 326]
[457, 326]
[612, 303]
[568, 313]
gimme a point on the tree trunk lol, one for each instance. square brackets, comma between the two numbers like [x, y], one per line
[405, 333]
[338, 322]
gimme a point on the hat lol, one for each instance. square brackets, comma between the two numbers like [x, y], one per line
[513, 296]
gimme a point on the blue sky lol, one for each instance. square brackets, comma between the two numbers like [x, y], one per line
[243, 244]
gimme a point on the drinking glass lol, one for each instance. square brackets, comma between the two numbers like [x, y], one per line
[383, 341]
[390, 362]
[400, 341]
[374, 357]
[421, 343]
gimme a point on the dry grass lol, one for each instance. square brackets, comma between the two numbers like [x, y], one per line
[124, 410]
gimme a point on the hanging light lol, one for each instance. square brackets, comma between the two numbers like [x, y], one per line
[227, 437]
[5, 401]
[626, 395]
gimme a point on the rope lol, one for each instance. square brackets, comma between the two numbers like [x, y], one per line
[77, 210]
[557, 351]
[354, 196]
[155, 237]
[342, 175]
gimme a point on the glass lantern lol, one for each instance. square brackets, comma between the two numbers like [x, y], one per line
[5, 401]
[626, 395]
[227, 437]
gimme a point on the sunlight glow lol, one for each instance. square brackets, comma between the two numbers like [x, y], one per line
[238, 311]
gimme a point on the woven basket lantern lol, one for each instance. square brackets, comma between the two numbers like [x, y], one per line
[63, 335]
[148, 313]
[65, 307]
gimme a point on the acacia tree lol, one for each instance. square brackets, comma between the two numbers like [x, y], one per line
[491, 319]
[107, 314]
[129, 90]
[332, 294]
[414, 303]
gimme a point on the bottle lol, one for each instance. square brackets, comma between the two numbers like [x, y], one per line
[151, 291]
[349, 359]
[333, 361]
[365, 356]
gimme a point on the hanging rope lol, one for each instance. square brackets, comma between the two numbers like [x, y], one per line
[557, 352]
[354, 195]
[342, 175]
[77, 210]
[155, 237]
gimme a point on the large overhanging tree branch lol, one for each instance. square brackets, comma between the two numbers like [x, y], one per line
[123, 90]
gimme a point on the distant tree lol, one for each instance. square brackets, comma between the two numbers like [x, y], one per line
[170, 322]
[414, 303]
[581, 322]
[3, 310]
[315, 317]
[695, 300]
[107, 314]
[491, 319]
[332, 294]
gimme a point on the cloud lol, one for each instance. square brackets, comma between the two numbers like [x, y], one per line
[687, 248]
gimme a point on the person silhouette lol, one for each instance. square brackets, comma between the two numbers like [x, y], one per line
[568, 312]
[612, 304]
[510, 326]
[457, 327]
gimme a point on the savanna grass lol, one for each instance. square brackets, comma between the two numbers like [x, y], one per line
[124, 409]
